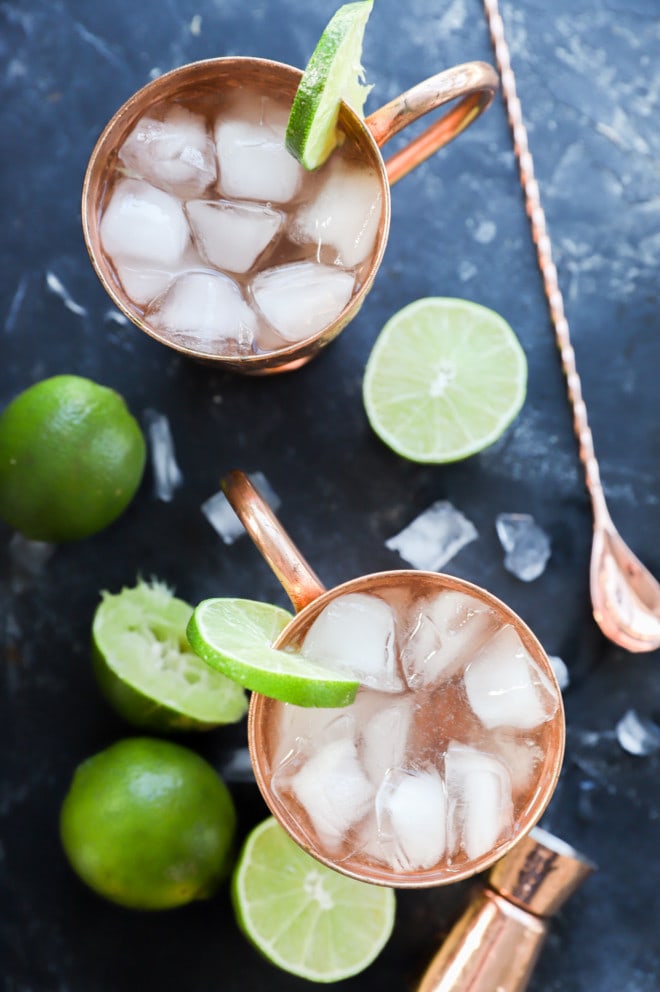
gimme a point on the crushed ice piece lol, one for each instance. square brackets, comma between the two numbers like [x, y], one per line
[333, 790]
[560, 669]
[479, 799]
[505, 687]
[434, 537]
[57, 287]
[526, 545]
[355, 633]
[219, 512]
[145, 225]
[175, 153]
[638, 735]
[345, 213]
[205, 307]
[411, 815]
[166, 472]
[231, 236]
[28, 560]
[301, 298]
[254, 163]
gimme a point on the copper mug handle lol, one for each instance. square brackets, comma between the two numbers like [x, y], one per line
[473, 84]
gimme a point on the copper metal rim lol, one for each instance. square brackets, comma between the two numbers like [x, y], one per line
[189, 80]
[263, 709]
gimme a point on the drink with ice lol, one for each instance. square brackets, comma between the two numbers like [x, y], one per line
[221, 242]
[451, 749]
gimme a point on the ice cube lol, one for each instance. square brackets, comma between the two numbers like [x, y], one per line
[145, 225]
[433, 537]
[411, 817]
[166, 472]
[520, 756]
[355, 634]
[345, 213]
[385, 736]
[302, 298]
[142, 284]
[219, 512]
[479, 799]
[446, 631]
[527, 547]
[207, 306]
[505, 687]
[334, 791]
[176, 153]
[638, 735]
[303, 729]
[229, 235]
[253, 161]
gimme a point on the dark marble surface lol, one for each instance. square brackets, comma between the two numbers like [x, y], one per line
[588, 80]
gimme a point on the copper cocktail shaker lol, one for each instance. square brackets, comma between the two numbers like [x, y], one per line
[496, 942]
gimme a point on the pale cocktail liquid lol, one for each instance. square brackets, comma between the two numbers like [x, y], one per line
[442, 757]
[222, 242]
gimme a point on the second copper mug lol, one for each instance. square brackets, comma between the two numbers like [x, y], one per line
[443, 713]
[469, 87]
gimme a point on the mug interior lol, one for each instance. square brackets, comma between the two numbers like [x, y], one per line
[265, 715]
[207, 81]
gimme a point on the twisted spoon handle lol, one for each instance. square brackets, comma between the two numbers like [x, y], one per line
[547, 266]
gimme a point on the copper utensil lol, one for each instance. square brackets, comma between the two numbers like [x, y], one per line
[625, 596]
[497, 940]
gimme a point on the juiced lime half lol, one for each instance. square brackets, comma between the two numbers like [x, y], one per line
[147, 669]
[305, 918]
[334, 73]
[235, 636]
[444, 380]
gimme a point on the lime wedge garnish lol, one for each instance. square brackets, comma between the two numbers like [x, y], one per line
[305, 918]
[444, 380]
[235, 637]
[147, 670]
[334, 73]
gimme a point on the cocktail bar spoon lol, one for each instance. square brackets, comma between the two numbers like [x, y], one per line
[625, 597]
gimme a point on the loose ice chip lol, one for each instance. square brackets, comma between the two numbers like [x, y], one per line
[446, 630]
[560, 669]
[166, 472]
[334, 791]
[434, 537]
[175, 153]
[385, 738]
[479, 800]
[207, 306]
[219, 512]
[527, 547]
[301, 298]
[411, 815]
[253, 161]
[345, 214]
[355, 634]
[144, 224]
[637, 735]
[505, 687]
[231, 236]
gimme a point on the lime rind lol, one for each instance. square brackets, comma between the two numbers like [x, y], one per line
[303, 917]
[147, 670]
[235, 636]
[333, 73]
[444, 380]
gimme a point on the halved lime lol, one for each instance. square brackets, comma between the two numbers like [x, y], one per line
[334, 73]
[147, 670]
[444, 380]
[305, 918]
[235, 636]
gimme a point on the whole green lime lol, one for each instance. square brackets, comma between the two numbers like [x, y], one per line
[148, 824]
[71, 459]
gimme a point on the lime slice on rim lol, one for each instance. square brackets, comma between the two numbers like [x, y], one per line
[334, 73]
[147, 670]
[444, 380]
[304, 917]
[235, 636]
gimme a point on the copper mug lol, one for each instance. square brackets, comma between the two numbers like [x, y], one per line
[309, 599]
[472, 85]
